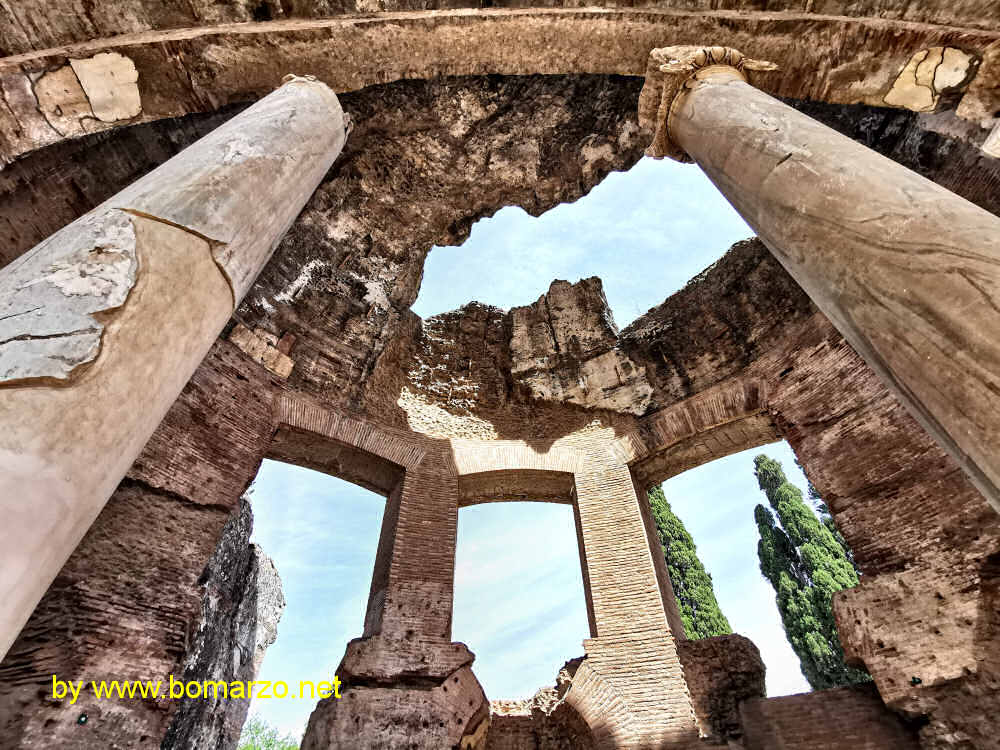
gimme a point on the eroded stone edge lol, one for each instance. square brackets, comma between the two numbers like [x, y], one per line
[57, 299]
[53, 298]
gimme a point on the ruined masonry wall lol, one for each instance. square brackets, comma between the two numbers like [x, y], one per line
[334, 301]
[829, 720]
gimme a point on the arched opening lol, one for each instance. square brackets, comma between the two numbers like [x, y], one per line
[519, 594]
[715, 502]
[322, 534]
[319, 503]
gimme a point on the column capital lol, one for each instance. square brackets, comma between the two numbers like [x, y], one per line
[669, 70]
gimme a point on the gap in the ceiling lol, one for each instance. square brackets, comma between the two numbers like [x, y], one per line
[645, 232]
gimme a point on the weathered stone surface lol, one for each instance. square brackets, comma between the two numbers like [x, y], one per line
[85, 93]
[52, 297]
[98, 623]
[263, 347]
[911, 298]
[937, 146]
[161, 527]
[991, 146]
[451, 714]
[63, 102]
[721, 673]
[198, 233]
[944, 665]
[377, 660]
[240, 609]
[108, 81]
[36, 24]
[669, 71]
[371, 228]
[929, 75]
[981, 103]
[563, 349]
[545, 722]
[825, 720]
[335, 299]
[33, 206]
[199, 67]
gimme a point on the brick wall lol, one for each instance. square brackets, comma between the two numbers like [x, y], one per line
[850, 717]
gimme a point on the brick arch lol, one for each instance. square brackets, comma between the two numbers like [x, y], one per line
[303, 429]
[717, 422]
[596, 701]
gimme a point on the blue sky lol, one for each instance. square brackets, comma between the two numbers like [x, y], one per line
[645, 232]
[518, 591]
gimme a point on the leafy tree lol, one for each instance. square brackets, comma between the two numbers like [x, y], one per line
[807, 562]
[259, 735]
[827, 519]
[692, 584]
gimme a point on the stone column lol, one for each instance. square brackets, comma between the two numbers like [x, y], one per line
[907, 271]
[102, 324]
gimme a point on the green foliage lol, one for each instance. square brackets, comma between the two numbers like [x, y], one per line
[827, 520]
[807, 561]
[692, 584]
[259, 735]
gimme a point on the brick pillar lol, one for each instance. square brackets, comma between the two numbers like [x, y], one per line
[631, 688]
[405, 683]
[412, 591]
[421, 580]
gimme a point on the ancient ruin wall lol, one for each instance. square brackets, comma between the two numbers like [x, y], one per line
[36, 24]
[208, 448]
[844, 717]
[334, 303]
[241, 608]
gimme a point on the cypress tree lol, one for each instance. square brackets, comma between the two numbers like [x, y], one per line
[692, 584]
[806, 564]
[827, 519]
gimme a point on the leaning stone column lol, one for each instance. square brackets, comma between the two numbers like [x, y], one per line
[102, 324]
[906, 270]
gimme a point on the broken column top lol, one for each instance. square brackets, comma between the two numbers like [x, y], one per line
[668, 70]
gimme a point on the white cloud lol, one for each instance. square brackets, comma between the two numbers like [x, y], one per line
[645, 232]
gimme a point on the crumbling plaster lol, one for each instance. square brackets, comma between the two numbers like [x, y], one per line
[51, 305]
